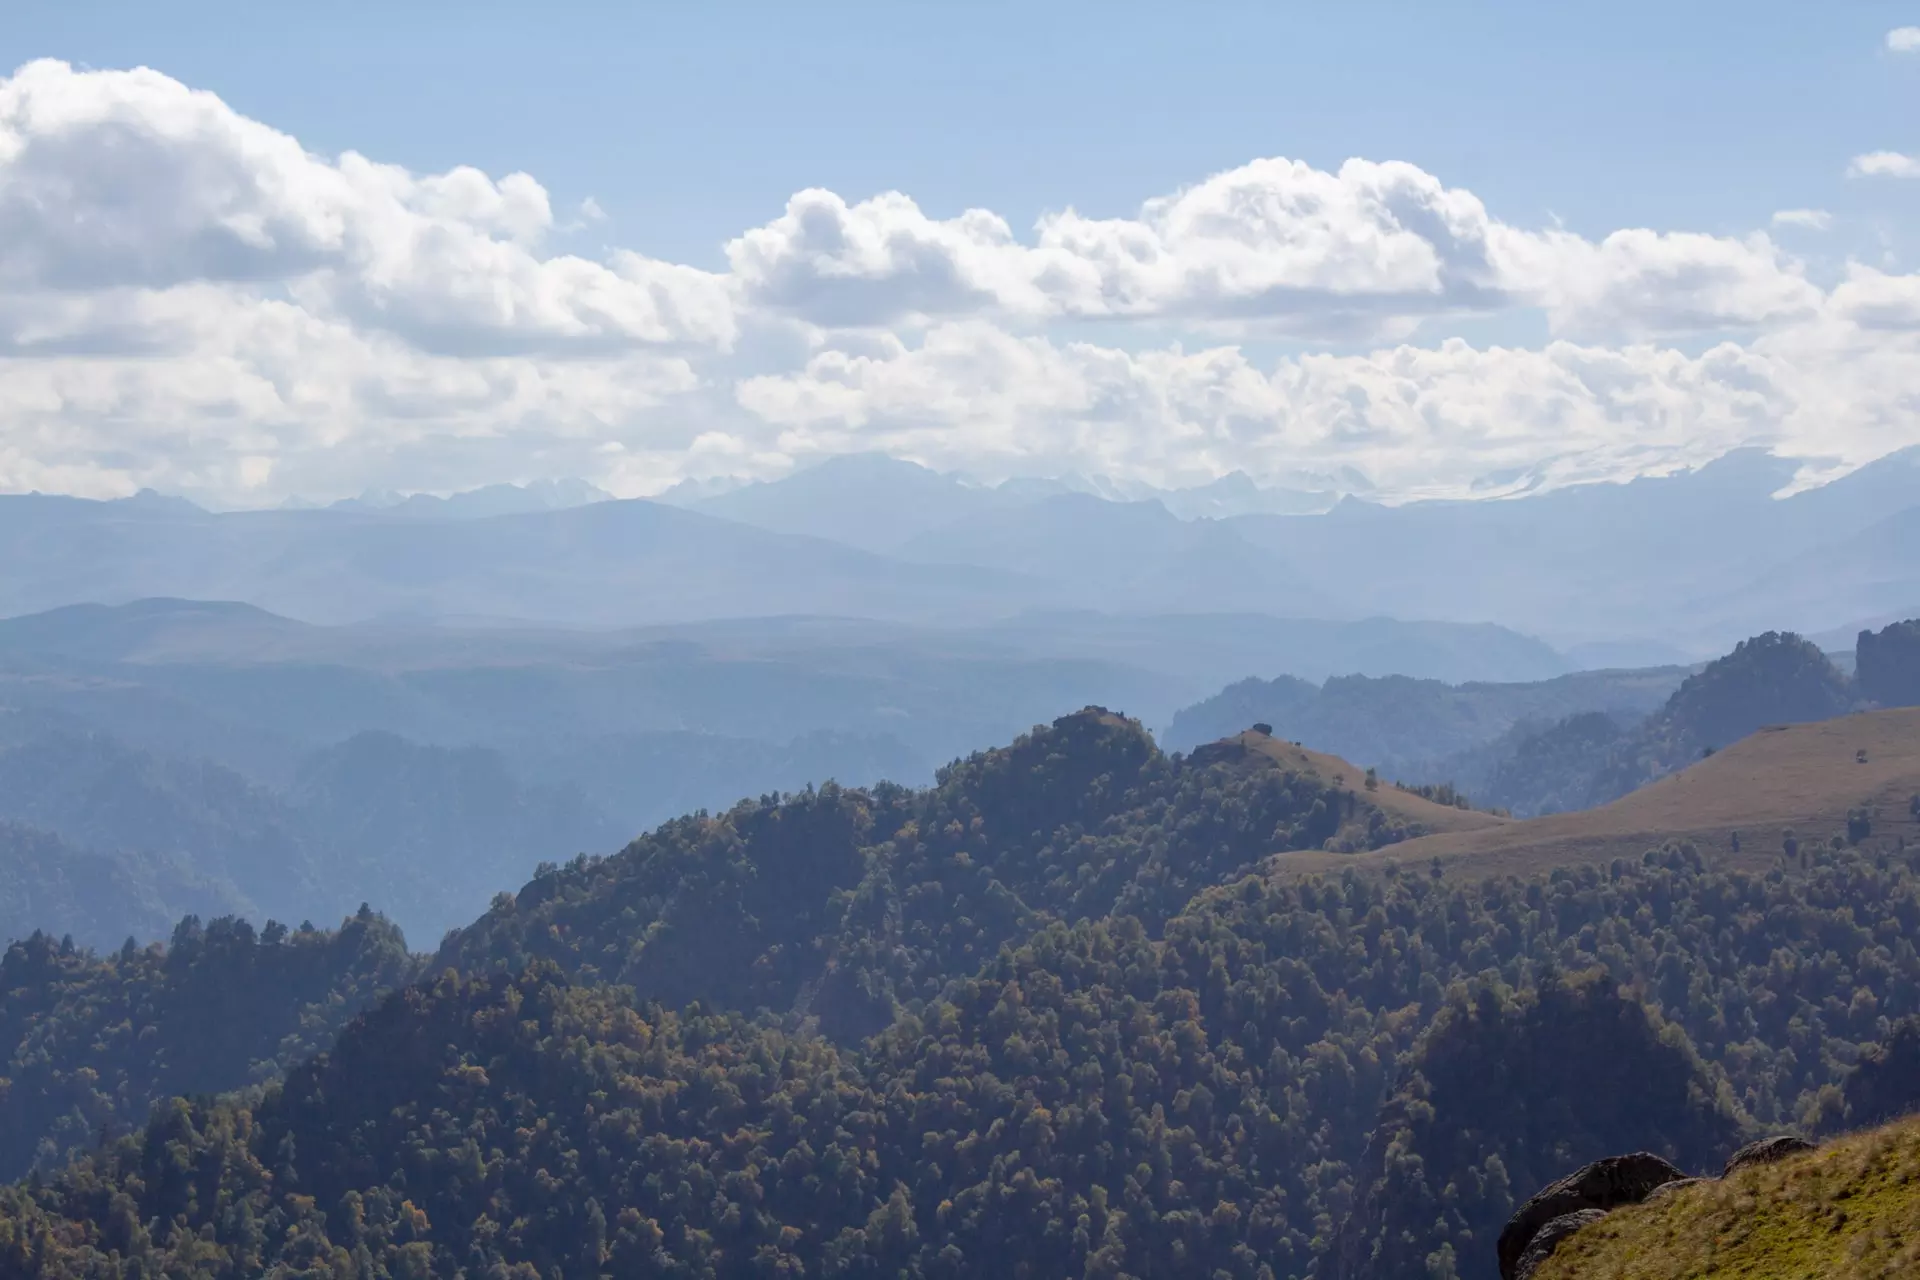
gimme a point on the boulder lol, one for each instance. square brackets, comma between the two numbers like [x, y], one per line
[1548, 1238]
[1602, 1185]
[1766, 1151]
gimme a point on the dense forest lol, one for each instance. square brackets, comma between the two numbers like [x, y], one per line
[853, 905]
[91, 1042]
[1045, 1018]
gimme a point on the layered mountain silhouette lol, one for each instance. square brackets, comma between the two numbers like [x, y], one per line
[1633, 573]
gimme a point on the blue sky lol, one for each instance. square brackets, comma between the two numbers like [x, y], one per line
[1581, 232]
[687, 122]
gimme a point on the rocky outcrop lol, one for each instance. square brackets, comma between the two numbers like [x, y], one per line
[1588, 1195]
[1600, 1186]
[1548, 1238]
[1766, 1151]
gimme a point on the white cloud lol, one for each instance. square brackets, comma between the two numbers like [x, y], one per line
[1904, 40]
[129, 180]
[1808, 219]
[192, 300]
[1884, 164]
[1274, 245]
[1421, 421]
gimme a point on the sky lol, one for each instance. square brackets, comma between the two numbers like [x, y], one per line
[252, 253]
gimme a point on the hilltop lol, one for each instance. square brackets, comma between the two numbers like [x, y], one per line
[1812, 780]
[848, 905]
[1405, 808]
[1850, 1208]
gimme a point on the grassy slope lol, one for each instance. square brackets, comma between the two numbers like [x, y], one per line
[1805, 777]
[1850, 1209]
[1402, 805]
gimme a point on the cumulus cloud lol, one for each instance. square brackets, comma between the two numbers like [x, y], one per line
[1884, 164]
[1276, 244]
[1421, 421]
[131, 180]
[1904, 40]
[193, 300]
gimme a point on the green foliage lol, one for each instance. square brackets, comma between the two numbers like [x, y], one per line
[1887, 665]
[1774, 678]
[91, 1042]
[1069, 1035]
[1093, 1101]
[853, 905]
[1555, 770]
[1505, 1094]
[1886, 1084]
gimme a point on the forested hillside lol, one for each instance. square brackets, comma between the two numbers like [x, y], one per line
[851, 905]
[1093, 1102]
[1058, 1014]
[89, 1042]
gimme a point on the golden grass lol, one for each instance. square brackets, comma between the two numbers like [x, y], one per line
[1849, 1211]
[1803, 777]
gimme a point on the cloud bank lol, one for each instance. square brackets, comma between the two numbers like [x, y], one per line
[192, 300]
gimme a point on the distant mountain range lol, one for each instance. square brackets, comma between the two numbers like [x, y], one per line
[1637, 574]
[1656, 570]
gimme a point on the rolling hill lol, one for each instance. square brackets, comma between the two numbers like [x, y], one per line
[1804, 778]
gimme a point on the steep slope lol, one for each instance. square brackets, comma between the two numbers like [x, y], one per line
[1850, 1208]
[1805, 779]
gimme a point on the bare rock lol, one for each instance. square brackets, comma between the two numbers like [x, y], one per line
[1766, 1151]
[1675, 1185]
[1548, 1238]
[1602, 1185]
